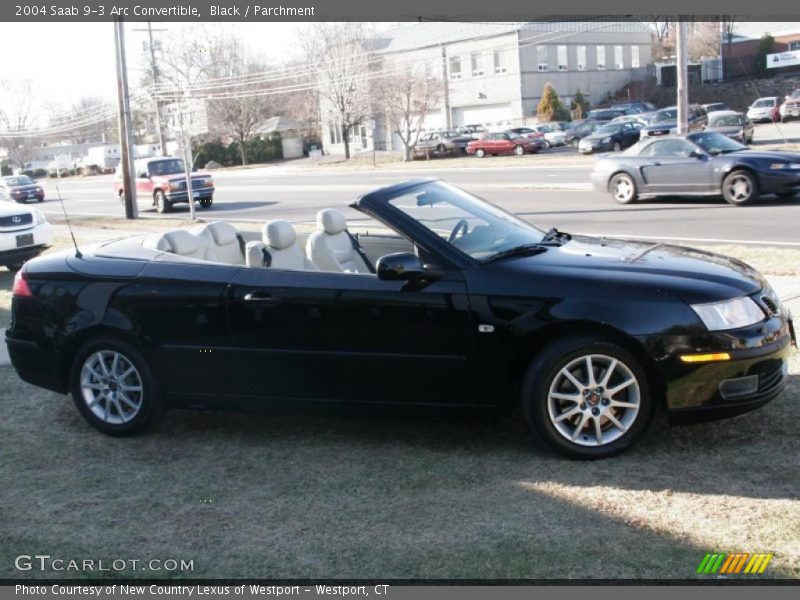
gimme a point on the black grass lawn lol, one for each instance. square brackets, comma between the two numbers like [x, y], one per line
[281, 496]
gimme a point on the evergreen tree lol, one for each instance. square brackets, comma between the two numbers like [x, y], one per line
[550, 106]
[579, 105]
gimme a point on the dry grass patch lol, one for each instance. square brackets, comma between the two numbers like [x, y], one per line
[769, 260]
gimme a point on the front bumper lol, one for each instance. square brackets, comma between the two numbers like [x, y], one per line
[203, 193]
[701, 392]
[779, 181]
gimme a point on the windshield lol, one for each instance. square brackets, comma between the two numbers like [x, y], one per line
[764, 103]
[668, 114]
[726, 121]
[608, 129]
[170, 166]
[716, 143]
[470, 224]
[21, 180]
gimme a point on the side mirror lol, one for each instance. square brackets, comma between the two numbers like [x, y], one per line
[697, 154]
[402, 266]
[142, 176]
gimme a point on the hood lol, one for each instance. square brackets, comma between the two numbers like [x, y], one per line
[691, 275]
[598, 136]
[30, 187]
[10, 209]
[180, 176]
[767, 155]
[662, 125]
[725, 129]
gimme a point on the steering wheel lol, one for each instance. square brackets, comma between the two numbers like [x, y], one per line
[460, 228]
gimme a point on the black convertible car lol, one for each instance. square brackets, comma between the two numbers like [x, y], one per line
[462, 307]
[697, 164]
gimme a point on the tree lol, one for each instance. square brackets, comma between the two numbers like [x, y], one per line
[405, 99]
[337, 51]
[19, 108]
[88, 109]
[662, 29]
[550, 106]
[579, 105]
[728, 27]
[766, 45]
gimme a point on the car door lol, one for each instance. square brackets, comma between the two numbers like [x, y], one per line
[670, 168]
[313, 335]
[502, 144]
[630, 134]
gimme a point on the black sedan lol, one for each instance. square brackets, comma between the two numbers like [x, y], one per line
[463, 308]
[611, 137]
[20, 188]
[697, 164]
[665, 121]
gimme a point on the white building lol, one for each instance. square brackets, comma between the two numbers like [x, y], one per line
[493, 74]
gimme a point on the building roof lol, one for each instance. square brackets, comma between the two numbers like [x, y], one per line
[434, 33]
[754, 30]
[279, 124]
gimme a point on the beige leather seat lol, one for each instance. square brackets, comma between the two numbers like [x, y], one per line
[222, 242]
[330, 247]
[280, 242]
[178, 242]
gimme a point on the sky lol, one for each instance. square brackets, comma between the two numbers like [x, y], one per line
[67, 61]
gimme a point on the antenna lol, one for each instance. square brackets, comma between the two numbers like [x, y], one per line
[69, 225]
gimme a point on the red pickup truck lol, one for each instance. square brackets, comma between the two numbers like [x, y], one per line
[164, 180]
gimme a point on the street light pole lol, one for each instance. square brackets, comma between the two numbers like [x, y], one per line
[683, 76]
[125, 130]
[154, 67]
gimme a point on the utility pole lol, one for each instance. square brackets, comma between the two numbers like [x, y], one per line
[154, 68]
[683, 77]
[446, 85]
[125, 130]
[188, 161]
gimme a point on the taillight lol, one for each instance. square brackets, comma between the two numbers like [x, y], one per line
[21, 289]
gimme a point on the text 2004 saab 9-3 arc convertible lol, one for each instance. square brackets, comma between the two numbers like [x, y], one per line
[465, 307]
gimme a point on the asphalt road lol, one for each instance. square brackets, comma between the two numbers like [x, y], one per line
[546, 195]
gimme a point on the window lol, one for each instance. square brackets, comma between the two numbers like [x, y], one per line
[795, 45]
[601, 57]
[429, 69]
[541, 57]
[563, 62]
[500, 61]
[581, 58]
[455, 67]
[476, 59]
[619, 61]
[635, 60]
[677, 148]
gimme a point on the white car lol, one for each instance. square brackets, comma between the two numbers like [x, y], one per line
[552, 135]
[763, 109]
[24, 233]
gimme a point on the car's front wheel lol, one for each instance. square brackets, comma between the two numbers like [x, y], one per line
[113, 388]
[587, 397]
[206, 203]
[739, 187]
[519, 150]
[162, 204]
[480, 153]
[623, 188]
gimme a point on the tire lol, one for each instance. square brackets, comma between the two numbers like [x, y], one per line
[480, 152]
[566, 417]
[739, 187]
[161, 202]
[440, 150]
[206, 203]
[617, 147]
[100, 394]
[622, 188]
[546, 145]
[574, 142]
[121, 196]
[519, 150]
[40, 199]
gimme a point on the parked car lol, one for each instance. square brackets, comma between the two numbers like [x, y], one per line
[734, 124]
[715, 107]
[61, 166]
[790, 109]
[697, 164]
[20, 188]
[478, 310]
[24, 233]
[503, 143]
[442, 143]
[553, 135]
[605, 114]
[765, 109]
[164, 180]
[474, 131]
[630, 119]
[579, 130]
[611, 137]
[639, 106]
[665, 121]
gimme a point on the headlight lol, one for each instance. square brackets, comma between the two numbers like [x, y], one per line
[606, 140]
[782, 166]
[38, 217]
[731, 314]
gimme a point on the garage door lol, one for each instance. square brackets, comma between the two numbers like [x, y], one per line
[489, 115]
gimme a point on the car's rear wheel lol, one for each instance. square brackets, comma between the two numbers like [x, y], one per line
[587, 397]
[519, 150]
[113, 388]
[162, 204]
[623, 188]
[440, 150]
[480, 152]
[739, 187]
[617, 147]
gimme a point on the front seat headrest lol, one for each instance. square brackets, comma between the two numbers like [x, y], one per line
[331, 221]
[279, 234]
[182, 242]
[222, 233]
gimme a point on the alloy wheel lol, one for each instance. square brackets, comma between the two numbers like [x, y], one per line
[739, 187]
[593, 400]
[111, 386]
[623, 189]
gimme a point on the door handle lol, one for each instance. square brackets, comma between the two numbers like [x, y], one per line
[265, 297]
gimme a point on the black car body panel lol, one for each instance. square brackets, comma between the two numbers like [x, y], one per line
[459, 339]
